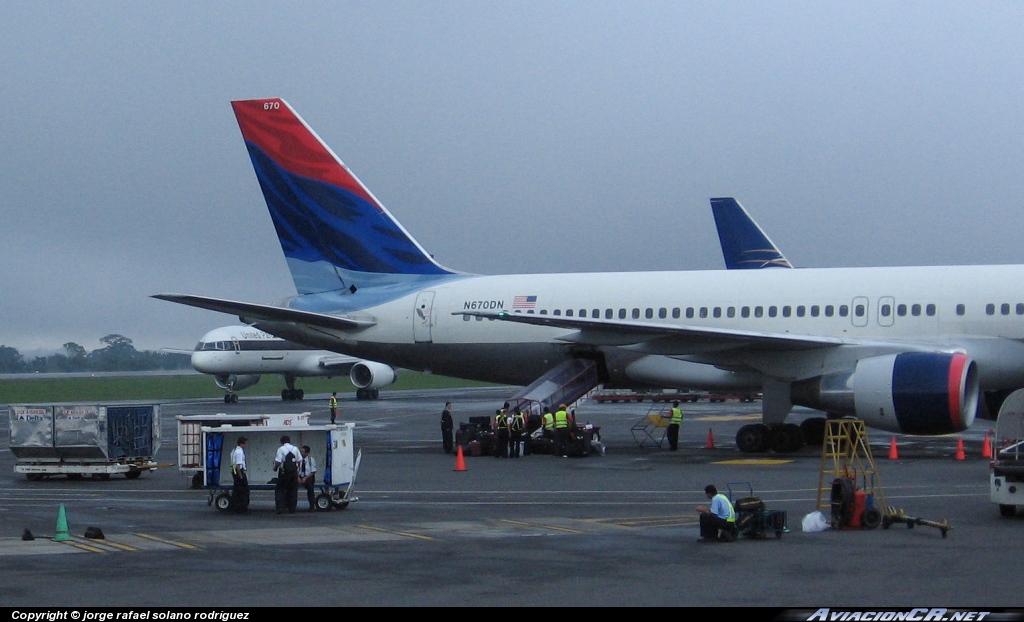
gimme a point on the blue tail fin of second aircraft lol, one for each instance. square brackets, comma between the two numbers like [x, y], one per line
[335, 234]
[744, 245]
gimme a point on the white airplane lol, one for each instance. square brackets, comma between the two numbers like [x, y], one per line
[236, 357]
[906, 349]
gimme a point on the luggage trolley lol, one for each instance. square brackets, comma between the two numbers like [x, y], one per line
[330, 445]
[752, 519]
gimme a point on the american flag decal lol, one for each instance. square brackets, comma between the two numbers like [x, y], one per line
[524, 302]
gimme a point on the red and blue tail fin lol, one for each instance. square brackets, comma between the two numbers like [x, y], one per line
[334, 233]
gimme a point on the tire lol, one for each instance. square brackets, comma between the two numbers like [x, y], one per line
[813, 430]
[133, 474]
[299, 394]
[34, 477]
[286, 395]
[75, 476]
[871, 518]
[227, 398]
[341, 505]
[786, 438]
[1008, 511]
[197, 481]
[101, 476]
[222, 502]
[361, 394]
[323, 502]
[753, 438]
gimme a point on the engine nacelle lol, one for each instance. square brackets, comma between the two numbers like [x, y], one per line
[236, 382]
[911, 392]
[371, 375]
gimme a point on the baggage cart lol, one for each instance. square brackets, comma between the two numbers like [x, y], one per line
[753, 520]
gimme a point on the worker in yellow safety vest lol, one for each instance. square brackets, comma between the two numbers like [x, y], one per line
[719, 517]
[561, 431]
[675, 420]
[548, 423]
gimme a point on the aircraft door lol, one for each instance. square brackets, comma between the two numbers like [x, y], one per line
[886, 310]
[423, 317]
[859, 311]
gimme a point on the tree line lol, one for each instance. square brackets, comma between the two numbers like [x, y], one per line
[117, 354]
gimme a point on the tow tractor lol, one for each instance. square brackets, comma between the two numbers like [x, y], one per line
[1006, 482]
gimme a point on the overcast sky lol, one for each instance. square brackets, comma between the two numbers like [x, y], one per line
[505, 136]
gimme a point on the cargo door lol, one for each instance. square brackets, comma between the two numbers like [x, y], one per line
[423, 317]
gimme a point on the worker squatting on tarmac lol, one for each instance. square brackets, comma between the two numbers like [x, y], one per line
[717, 523]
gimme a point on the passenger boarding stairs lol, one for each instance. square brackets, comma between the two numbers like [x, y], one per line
[566, 384]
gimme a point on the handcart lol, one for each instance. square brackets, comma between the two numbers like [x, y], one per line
[651, 428]
[753, 520]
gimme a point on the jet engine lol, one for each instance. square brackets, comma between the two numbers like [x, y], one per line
[371, 375]
[910, 392]
[236, 382]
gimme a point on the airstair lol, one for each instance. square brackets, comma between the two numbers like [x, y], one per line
[566, 384]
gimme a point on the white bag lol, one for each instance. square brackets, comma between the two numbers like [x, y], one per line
[815, 521]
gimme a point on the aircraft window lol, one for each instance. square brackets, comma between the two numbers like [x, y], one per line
[557, 312]
[915, 310]
[663, 313]
[801, 311]
[886, 310]
[1004, 309]
[758, 311]
[703, 311]
[773, 311]
[636, 314]
[961, 309]
[930, 310]
[1020, 309]
[844, 310]
[568, 313]
[829, 310]
[649, 313]
[530, 311]
[479, 319]
[689, 311]
[859, 310]
[717, 312]
[622, 314]
[675, 312]
[901, 310]
[465, 318]
[815, 310]
[543, 311]
[731, 311]
[990, 309]
[745, 311]
[787, 311]
[595, 313]
[582, 313]
[607, 314]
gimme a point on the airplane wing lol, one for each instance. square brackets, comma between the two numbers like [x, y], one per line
[339, 362]
[249, 312]
[674, 339]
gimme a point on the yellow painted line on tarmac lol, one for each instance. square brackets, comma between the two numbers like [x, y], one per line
[397, 533]
[84, 547]
[116, 545]
[755, 461]
[182, 545]
[540, 526]
[743, 417]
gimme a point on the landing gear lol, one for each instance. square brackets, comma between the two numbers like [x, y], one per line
[230, 398]
[292, 395]
[758, 438]
[753, 438]
[367, 394]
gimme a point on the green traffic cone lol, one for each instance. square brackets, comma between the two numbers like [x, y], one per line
[61, 533]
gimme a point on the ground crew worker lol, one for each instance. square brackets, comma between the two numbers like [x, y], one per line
[548, 423]
[561, 431]
[333, 403]
[675, 420]
[240, 489]
[518, 434]
[720, 516]
[502, 433]
[447, 425]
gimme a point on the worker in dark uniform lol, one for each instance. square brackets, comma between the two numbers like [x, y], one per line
[503, 434]
[719, 517]
[518, 434]
[675, 420]
[446, 428]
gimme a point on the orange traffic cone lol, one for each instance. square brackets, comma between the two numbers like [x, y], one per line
[893, 454]
[460, 461]
[960, 449]
[711, 440]
[986, 447]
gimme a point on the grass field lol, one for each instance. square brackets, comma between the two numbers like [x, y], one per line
[33, 390]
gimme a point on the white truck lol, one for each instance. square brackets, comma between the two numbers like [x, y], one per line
[1007, 477]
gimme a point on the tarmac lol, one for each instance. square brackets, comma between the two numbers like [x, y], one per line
[611, 530]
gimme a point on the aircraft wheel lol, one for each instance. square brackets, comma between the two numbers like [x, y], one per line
[753, 438]
[871, 518]
[133, 474]
[227, 398]
[299, 394]
[1007, 510]
[813, 430]
[323, 502]
[222, 502]
[234, 398]
[786, 438]
[374, 394]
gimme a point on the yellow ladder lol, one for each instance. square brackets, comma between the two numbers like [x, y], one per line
[845, 453]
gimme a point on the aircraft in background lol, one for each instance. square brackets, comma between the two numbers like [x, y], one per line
[236, 357]
[906, 349]
[745, 246]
